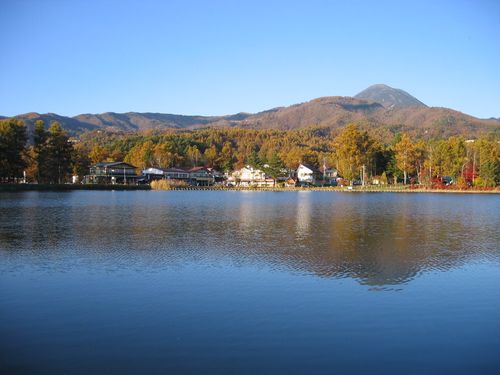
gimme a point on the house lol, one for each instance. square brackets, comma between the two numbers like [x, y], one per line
[151, 174]
[218, 176]
[291, 182]
[250, 176]
[308, 175]
[165, 173]
[117, 172]
[330, 176]
[201, 176]
[176, 174]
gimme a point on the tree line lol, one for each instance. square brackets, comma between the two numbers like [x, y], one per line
[48, 159]
[49, 156]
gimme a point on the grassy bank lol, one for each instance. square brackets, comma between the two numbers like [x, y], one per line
[67, 187]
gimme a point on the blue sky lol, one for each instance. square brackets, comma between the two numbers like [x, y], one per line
[221, 57]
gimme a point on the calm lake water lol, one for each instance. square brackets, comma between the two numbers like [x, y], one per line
[249, 282]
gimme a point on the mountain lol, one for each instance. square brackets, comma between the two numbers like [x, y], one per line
[335, 112]
[71, 124]
[378, 107]
[130, 121]
[389, 97]
[133, 121]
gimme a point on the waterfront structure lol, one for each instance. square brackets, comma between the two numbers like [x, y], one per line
[112, 173]
[201, 176]
[330, 176]
[308, 175]
[291, 182]
[219, 177]
[151, 174]
[250, 176]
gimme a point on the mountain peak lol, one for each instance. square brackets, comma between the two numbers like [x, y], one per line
[389, 97]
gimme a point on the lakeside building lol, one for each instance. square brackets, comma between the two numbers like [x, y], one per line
[291, 182]
[151, 174]
[112, 173]
[219, 177]
[330, 176]
[250, 176]
[197, 176]
[201, 176]
[308, 175]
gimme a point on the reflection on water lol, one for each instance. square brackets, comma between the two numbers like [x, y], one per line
[377, 239]
[248, 282]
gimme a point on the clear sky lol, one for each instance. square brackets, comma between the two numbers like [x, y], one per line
[220, 57]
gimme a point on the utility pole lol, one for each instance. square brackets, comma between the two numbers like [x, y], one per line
[474, 167]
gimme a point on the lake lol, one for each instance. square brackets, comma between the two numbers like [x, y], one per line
[143, 282]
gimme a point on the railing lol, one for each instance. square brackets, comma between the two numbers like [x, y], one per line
[112, 172]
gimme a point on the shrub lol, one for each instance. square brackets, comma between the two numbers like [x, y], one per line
[168, 184]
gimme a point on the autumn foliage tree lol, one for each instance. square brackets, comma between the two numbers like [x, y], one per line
[353, 149]
[406, 155]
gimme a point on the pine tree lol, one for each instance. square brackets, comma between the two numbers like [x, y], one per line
[12, 149]
[275, 168]
[59, 154]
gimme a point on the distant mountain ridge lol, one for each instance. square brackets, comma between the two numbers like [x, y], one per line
[379, 106]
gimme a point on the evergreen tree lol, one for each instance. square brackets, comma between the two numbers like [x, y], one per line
[275, 168]
[40, 151]
[59, 152]
[12, 149]
[254, 161]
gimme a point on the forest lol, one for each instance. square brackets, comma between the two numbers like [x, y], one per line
[50, 155]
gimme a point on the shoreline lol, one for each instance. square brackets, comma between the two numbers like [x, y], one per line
[370, 189]
[342, 190]
[69, 187]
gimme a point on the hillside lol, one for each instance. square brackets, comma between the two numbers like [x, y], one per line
[397, 111]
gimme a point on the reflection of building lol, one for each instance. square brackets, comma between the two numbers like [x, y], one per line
[111, 173]
[249, 176]
[304, 214]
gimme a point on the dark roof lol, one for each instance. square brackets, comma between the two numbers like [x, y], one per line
[113, 164]
[178, 170]
[196, 169]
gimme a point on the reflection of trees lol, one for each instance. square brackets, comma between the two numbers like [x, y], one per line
[387, 245]
[378, 241]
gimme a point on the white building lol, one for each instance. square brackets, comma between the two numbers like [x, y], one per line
[249, 176]
[308, 175]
